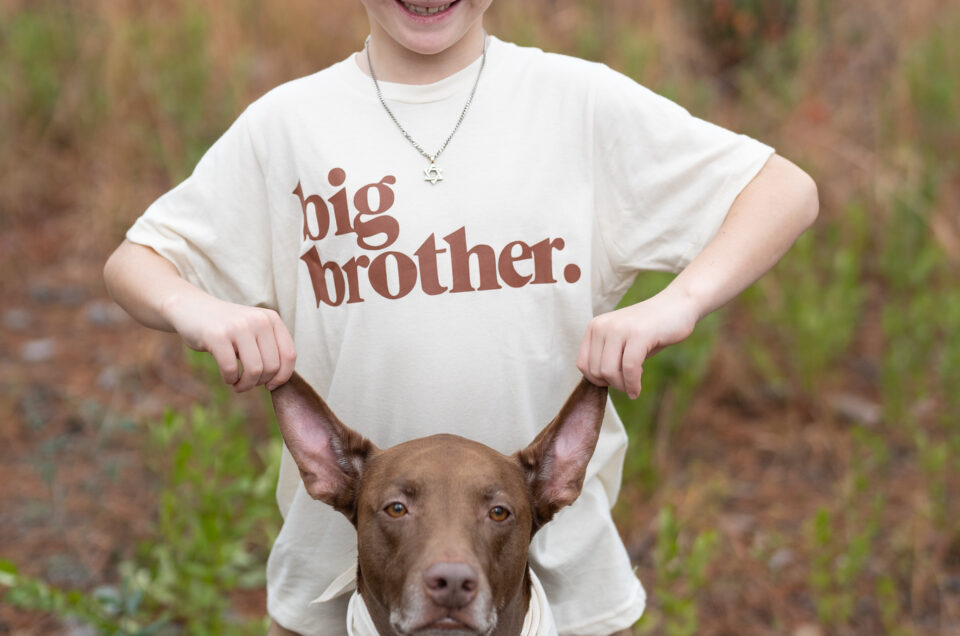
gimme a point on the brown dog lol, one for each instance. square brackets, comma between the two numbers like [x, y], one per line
[443, 523]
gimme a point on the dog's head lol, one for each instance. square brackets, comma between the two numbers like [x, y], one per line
[443, 523]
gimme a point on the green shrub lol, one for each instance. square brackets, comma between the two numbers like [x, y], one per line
[844, 539]
[737, 30]
[681, 565]
[811, 303]
[216, 520]
[37, 50]
[932, 66]
[670, 379]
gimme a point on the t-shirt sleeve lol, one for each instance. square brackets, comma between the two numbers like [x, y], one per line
[665, 180]
[215, 226]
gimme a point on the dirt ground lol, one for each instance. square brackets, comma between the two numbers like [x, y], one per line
[78, 380]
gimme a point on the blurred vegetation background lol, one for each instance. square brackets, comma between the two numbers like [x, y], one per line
[794, 467]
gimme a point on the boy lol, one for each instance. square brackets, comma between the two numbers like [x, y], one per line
[444, 221]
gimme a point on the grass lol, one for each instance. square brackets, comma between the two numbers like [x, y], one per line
[844, 537]
[670, 380]
[811, 303]
[681, 563]
[126, 96]
[215, 520]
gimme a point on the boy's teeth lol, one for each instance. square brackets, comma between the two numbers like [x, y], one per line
[412, 8]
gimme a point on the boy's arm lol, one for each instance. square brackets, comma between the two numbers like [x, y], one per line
[151, 290]
[764, 221]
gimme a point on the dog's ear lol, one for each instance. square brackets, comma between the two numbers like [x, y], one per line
[556, 461]
[330, 455]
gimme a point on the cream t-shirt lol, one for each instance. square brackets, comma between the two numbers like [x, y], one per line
[457, 307]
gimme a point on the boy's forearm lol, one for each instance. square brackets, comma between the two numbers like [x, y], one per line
[764, 221]
[144, 284]
[253, 339]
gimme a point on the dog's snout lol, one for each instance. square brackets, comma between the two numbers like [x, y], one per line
[451, 585]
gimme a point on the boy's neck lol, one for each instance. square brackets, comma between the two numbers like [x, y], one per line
[395, 63]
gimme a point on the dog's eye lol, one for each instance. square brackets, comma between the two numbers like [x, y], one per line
[499, 513]
[396, 510]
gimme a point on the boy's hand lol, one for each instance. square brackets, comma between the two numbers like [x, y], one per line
[237, 336]
[617, 343]
[148, 286]
[765, 219]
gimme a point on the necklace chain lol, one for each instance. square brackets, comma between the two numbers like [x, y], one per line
[432, 173]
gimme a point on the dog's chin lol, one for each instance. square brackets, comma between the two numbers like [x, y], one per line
[418, 616]
[440, 629]
[452, 624]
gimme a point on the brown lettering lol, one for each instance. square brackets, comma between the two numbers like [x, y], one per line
[506, 262]
[318, 276]
[571, 273]
[406, 275]
[320, 213]
[341, 213]
[353, 284]
[543, 260]
[386, 225]
[460, 263]
[427, 257]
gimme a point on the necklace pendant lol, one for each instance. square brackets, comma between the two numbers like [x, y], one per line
[433, 173]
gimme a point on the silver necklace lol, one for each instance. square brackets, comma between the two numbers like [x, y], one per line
[433, 172]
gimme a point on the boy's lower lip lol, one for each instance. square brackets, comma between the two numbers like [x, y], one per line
[410, 12]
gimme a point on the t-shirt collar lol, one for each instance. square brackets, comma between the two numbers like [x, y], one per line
[455, 84]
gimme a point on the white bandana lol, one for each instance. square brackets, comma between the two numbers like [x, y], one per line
[538, 620]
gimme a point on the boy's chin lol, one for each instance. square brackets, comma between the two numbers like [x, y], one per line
[432, 44]
[430, 34]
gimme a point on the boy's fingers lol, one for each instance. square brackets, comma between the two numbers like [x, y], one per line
[226, 357]
[583, 355]
[288, 354]
[611, 362]
[597, 343]
[249, 354]
[633, 359]
[269, 355]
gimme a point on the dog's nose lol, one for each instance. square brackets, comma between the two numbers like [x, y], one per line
[451, 585]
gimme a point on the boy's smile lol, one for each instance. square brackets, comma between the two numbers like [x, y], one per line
[428, 11]
[422, 41]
